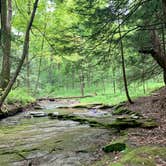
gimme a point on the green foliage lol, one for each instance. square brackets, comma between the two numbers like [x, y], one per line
[20, 95]
[117, 147]
[76, 42]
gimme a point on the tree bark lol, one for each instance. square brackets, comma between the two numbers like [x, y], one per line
[113, 80]
[124, 68]
[164, 10]
[24, 54]
[40, 61]
[6, 15]
[82, 84]
[27, 57]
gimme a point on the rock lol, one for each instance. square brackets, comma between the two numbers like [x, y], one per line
[38, 114]
[149, 124]
[125, 122]
[37, 107]
[121, 104]
[122, 111]
[55, 113]
[116, 147]
[81, 120]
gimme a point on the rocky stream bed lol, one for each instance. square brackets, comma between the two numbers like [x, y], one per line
[56, 134]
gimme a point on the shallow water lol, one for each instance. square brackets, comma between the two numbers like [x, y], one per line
[42, 141]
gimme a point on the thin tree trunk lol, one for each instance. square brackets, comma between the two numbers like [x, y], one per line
[164, 10]
[113, 78]
[40, 62]
[82, 84]
[24, 54]
[27, 57]
[6, 15]
[124, 68]
[103, 82]
[73, 77]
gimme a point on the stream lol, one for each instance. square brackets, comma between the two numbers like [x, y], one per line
[26, 140]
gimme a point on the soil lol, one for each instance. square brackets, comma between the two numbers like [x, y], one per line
[153, 106]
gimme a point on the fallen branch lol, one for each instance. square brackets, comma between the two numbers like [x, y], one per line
[70, 97]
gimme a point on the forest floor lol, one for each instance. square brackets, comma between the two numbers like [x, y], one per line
[149, 144]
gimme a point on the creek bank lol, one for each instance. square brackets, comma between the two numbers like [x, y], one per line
[70, 140]
[119, 123]
[15, 108]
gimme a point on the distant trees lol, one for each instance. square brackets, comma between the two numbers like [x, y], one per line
[84, 44]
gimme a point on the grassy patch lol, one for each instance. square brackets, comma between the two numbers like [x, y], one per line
[20, 95]
[111, 98]
[141, 156]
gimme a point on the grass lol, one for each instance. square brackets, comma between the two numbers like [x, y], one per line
[101, 95]
[135, 90]
[140, 156]
[20, 95]
[104, 95]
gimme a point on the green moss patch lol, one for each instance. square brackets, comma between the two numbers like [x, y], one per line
[141, 156]
[81, 120]
[116, 147]
[122, 111]
[130, 122]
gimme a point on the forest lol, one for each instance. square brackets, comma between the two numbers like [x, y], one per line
[82, 82]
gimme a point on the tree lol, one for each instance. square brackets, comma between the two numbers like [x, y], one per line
[123, 67]
[24, 54]
[6, 15]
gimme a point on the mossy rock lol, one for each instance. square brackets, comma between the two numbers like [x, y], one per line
[120, 123]
[116, 147]
[121, 104]
[130, 122]
[149, 124]
[81, 120]
[122, 111]
[125, 123]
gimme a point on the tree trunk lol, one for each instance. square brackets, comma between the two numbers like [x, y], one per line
[6, 15]
[164, 76]
[157, 52]
[123, 68]
[82, 84]
[113, 79]
[164, 10]
[24, 54]
[40, 62]
[27, 57]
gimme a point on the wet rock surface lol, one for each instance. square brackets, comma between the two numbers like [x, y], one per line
[26, 140]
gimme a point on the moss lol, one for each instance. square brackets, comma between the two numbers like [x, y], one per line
[104, 161]
[122, 111]
[116, 147]
[6, 159]
[92, 122]
[129, 122]
[149, 123]
[120, 123]
[125, 123]
[141, 156]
